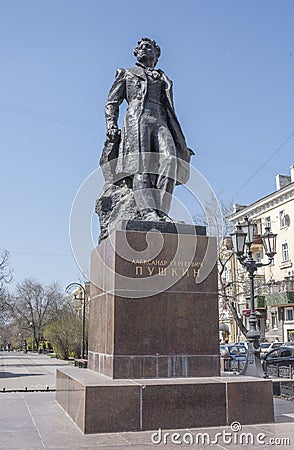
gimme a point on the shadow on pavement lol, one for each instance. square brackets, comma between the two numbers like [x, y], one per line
[284, 419]
[38, 365]
[14, 375]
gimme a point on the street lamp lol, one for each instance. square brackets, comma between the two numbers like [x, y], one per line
[67, 289]
[243, 239]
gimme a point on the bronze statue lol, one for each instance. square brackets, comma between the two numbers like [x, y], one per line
[145, 156]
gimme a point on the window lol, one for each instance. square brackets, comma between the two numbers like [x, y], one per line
[289, 314]
[268, 222]
[286, 354]
[285, 252]
[274, 354]
[258, 257]
[290, 335]
[282, 216]
[274, 320]
[226, 276]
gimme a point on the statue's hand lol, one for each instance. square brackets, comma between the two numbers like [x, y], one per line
[112, 133]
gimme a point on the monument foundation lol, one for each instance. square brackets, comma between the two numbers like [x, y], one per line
[153, 339]
[152, 319]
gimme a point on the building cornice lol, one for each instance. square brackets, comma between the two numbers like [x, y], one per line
[265, 204]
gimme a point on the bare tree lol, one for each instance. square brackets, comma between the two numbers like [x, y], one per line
[229, 290]
[221, 227]
[5, 278]
[33, 305]
[5, 271]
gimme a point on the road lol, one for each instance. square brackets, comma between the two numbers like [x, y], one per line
[32, 371]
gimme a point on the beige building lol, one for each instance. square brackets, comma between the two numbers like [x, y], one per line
[78, 297]
[274, 293]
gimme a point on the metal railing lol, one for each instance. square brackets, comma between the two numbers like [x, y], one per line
[230, 365]
[275, 371]
[272, 371]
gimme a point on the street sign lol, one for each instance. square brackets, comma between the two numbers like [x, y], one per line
[246, 312]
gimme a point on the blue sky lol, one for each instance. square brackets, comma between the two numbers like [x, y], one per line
[232, 64]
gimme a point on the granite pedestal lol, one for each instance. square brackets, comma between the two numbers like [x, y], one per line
[98, 404]
[149, 316]
[153, 338]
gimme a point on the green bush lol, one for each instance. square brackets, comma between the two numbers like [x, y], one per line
[65, 334]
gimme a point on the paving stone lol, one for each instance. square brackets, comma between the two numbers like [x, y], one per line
[34, 421]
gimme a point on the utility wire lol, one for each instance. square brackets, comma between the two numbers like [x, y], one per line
[50, 117]
[266, 161]
[85, 126]
[37, 254]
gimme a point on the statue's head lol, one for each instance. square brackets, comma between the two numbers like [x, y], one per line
[147, 49]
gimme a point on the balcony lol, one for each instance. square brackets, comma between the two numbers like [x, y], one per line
[280, 298]
[260, 302]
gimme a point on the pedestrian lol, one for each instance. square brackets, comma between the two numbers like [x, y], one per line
[24, 346]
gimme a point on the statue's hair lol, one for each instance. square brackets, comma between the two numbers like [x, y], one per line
[157, 48]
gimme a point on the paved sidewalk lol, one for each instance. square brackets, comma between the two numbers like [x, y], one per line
[34, 421]
[30, 370]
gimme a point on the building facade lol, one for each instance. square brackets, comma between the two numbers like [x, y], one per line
[77, 297]
[274, 284]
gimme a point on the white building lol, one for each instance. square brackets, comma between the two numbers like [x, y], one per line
[275, 283]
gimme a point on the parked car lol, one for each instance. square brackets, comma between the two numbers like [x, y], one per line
[266, 347]
[276, 344]
[288, 344]
[233, 352]
[233, 357]
[282, 356]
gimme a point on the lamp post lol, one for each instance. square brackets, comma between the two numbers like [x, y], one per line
[243, 239]
[68, 288]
